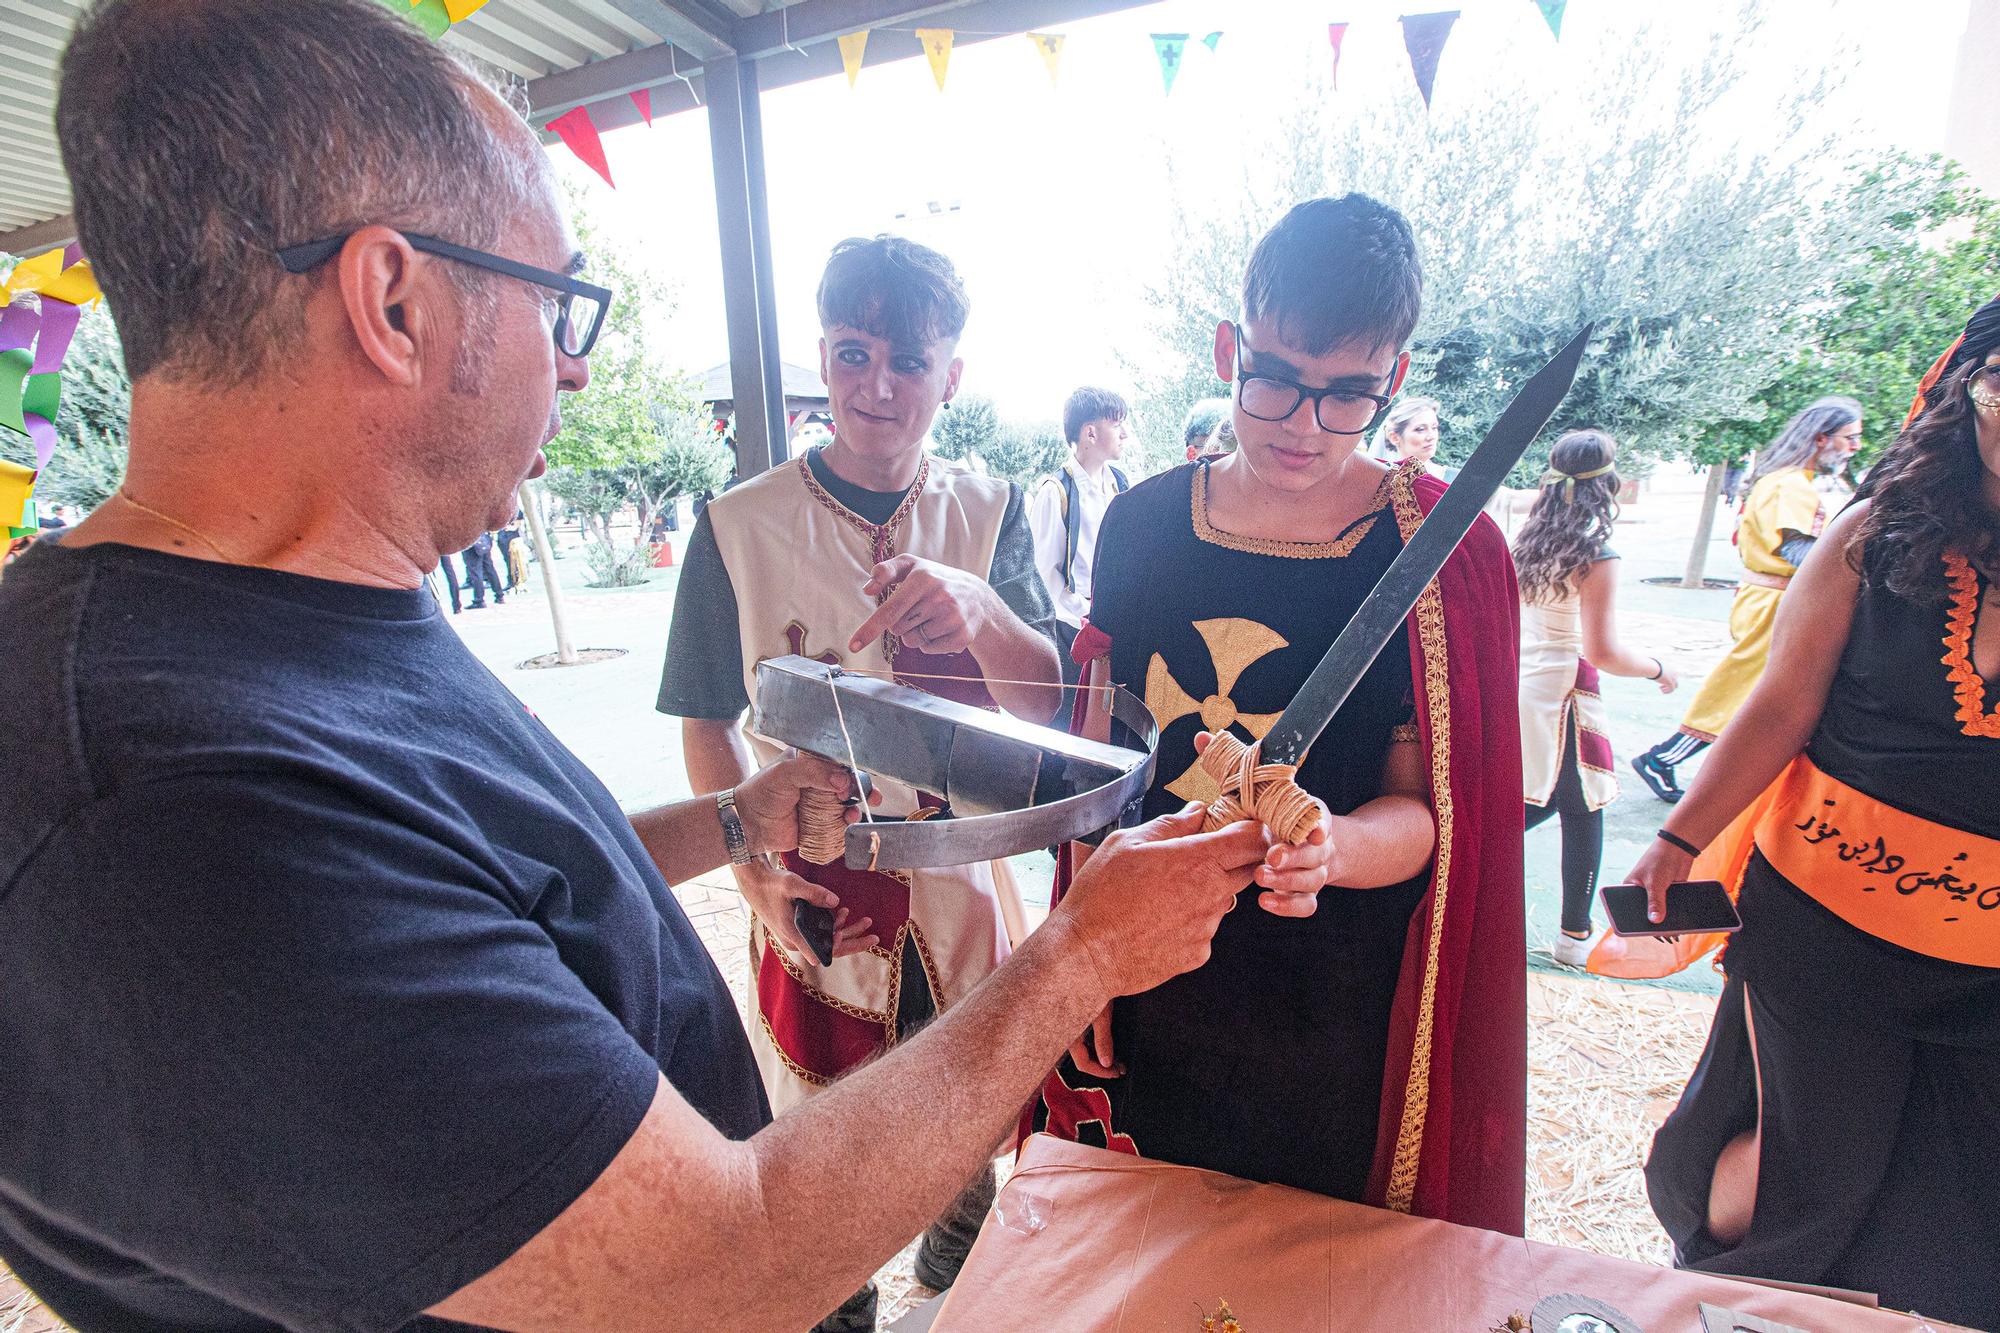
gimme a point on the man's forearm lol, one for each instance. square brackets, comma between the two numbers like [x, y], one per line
[957, 1090]
[1010, 650]
[685, 838]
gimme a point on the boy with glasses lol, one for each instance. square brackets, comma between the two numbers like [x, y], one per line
[1360, 1027]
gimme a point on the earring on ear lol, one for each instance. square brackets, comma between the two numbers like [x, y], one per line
[946, 405]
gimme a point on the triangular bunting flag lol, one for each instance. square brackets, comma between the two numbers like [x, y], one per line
[1050, 44]
[1212, 41]
[1334, 33]
[1424, 35]
[1168, 46]
[937, 46]
[1552, 10]
[852, 47]
[575, 128]
[643, 99]
[461, 10]
[430, 15]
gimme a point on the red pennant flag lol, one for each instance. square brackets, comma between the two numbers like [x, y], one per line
[643, 99]
[1424, 35]
[575, 128]
[1334, 32]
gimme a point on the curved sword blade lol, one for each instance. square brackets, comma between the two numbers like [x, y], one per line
[1388, 603]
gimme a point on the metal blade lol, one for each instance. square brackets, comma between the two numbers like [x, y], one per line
[1389, 603]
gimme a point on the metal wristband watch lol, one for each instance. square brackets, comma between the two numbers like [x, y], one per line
[733, 835]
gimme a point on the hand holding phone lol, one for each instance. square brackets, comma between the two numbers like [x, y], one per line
[1694, 907]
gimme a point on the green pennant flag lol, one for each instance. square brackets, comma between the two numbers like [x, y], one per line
[1168, 46]
[1212, 41]
[1552, 10]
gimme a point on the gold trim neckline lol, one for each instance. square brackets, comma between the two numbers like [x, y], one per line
[1336, 549]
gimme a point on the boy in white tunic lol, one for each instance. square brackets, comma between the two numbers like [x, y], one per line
[874, 554]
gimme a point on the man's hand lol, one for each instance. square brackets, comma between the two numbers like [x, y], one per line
[770, 890]
[1093, 1052]
[1661, 864]
[1293, 873]
[933, 607]
[768, 802]
[1147, 903]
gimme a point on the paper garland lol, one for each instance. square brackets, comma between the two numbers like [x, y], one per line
[1334, 33]
[852, 47]
[1168, 47]
[33, 342]
[1424, 36]
[576, 129]
[1050, 45]
[937, 47]
[435, 17]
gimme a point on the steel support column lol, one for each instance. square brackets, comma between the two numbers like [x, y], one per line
[760, 249]
[747, 296]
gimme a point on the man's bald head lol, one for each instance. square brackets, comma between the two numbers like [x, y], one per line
[201, 136]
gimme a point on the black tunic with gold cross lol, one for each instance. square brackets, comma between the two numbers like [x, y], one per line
[1267, 1062]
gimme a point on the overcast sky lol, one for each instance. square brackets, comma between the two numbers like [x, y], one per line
[1055, 199]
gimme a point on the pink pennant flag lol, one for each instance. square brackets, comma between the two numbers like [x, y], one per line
[576, 129]
[1334, 33]
[643, 99]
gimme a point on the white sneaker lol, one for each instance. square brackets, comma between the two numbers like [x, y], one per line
[1571, 952]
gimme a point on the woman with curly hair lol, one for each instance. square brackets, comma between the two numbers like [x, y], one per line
[1569, 634]
[1843, 1126]
[1782, 517]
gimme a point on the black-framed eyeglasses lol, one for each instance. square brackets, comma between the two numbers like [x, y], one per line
[580, 307]
[1339, 410]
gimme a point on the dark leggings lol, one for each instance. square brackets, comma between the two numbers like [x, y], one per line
[1582, 836]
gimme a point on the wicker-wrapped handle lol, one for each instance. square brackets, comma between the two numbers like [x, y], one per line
[1250, 790]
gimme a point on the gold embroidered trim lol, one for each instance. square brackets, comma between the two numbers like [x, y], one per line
[799, 1071]
[1967, 684]
[873, 532]
[819, 996]
[1400, 1194]
[1333, 550]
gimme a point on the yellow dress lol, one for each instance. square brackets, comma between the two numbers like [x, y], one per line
[1784, 501]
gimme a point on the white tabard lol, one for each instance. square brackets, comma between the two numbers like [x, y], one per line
[798, 559]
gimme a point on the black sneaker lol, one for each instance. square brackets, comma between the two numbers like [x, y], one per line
[1658, 777]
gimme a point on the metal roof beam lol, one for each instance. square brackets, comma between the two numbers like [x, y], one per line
[811, 21]
[648, 67]
[696, 28]
[41, 236]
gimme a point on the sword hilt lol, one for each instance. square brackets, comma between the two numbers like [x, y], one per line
[1250, 790]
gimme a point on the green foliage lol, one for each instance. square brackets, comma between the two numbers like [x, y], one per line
[687, 458]
[968, 428]
[1688, 259]
[93, 425]
[1897, 304]
[592, 494]
[617, 566]
[1025, 453]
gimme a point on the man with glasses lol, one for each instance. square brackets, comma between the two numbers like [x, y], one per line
[335, 992]
[1359, 1028]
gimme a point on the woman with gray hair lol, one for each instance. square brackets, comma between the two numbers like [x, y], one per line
[1781, 519]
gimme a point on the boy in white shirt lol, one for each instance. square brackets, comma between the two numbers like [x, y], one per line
[1068, 507]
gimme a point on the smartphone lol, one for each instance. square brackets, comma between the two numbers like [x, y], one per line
[1694, 907]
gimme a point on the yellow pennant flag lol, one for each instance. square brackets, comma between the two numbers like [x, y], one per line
[1050, 44]
[937, 45]
[852, 47]
[461, 10]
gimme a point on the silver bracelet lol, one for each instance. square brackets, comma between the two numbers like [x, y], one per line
[733, 835]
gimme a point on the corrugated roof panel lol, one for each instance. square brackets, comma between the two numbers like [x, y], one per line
[32, 36]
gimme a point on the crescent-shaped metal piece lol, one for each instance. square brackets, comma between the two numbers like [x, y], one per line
[1010, 786]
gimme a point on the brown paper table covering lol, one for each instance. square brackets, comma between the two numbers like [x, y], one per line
[1140, 1246]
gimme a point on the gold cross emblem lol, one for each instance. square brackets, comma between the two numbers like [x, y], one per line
[1233, 646]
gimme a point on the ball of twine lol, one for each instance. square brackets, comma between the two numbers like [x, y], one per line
[822, 826]
[1250, 790]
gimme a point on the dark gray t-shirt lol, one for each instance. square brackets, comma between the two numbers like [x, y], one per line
[328, 976]
[703, 676]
